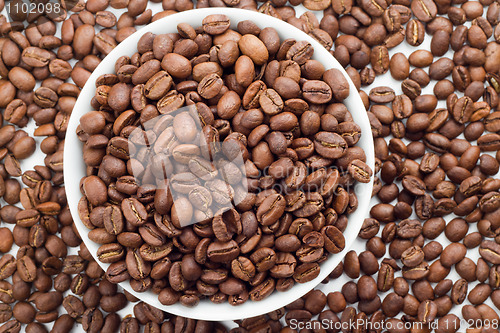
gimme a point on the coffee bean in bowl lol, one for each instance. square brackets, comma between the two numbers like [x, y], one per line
[221, 168]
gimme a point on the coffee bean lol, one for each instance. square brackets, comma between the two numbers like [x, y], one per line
[374, 8]
[399, 66]
[412, 256]
[489, 251]
[414, 185]
[215, 24]
[271, 102]
[334, 240]
[416, 273]
[360, 171]
[253, 47]
[223, 252]
[427, 311]
[120, 209]
[330, 145]
[134, 211]
[300, 52]
[306, 272]
[415, 31]
[7, 240]
[479, 294]
[452, 254]
[26, 269]
[459, 291]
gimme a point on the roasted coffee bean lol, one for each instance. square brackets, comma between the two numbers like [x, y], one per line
[360, 171]
[334, 240]
[415, 31]
[271, 209]
[425, 10]
[26, 269]
[382, 95]
[337, 83]
[6, 240]
[459, 291]
[306, 272]
[330, 145]
[414, 185]
[271, 102]
[7, 266]
[427, 311]
[215, 24]
[452, 254]
[412, 256]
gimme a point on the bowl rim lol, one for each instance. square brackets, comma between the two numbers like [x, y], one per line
[74, 167]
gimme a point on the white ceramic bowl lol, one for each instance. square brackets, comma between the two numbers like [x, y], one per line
[74, 167]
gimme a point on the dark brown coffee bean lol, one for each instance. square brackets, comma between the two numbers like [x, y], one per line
[330, 145]
[360, 171]
[134, 211]
[424, 10]
[306, 272]
[315, 91]
[489, 251]
[26, 269]
[415, 31]
[459, 291]
[488, 142]
[7, 266]
[399, 66]
[374, 8]
[382, 95]
[416, 273]
[411, 88]
[271, 102]
[479, 294]
[412, 256]
[414, 185]
[223, 252]
[6, 240]
[452, 254]
[427, 311]
[134, 245]
[337, 83]
[463, 109]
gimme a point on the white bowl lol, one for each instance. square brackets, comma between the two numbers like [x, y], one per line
[74, 167]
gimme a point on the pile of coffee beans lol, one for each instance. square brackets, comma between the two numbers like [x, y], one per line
[435, 132]
[254, 96]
